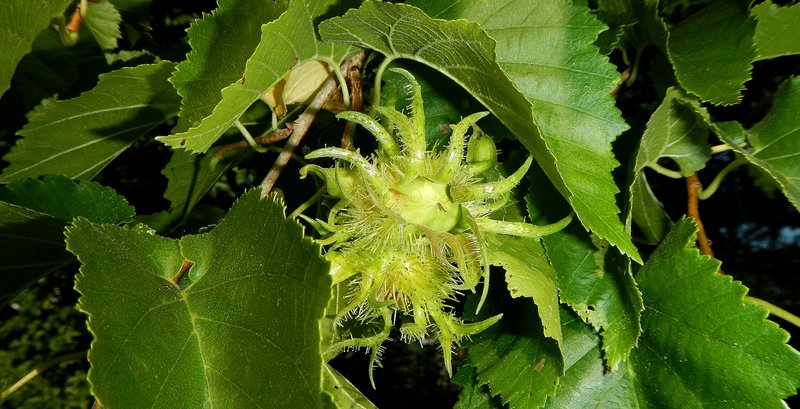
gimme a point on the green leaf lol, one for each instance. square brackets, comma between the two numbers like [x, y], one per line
[462, 51]
[103, 20]
[78, 137]
[215, 62]
[66, 199]
[529, 274]
[243, 332]
[702, 344]
[473, 395]
[343, 393]
[31, 245]
[33, 216]
[647, 212]
[676, 130]
[776, 30]
[596, 282]
[636, 23]
[585, 383]
[189, 178]
[285, 42]
[513, 357]
[775, 141]
[20, 23]
[712, 51]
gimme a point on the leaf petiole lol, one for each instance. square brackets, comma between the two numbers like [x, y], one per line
[776, 311]
[714, 185]
[38, 370]
[673, 174]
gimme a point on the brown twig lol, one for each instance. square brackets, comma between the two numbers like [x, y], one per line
[299, 130]
[623, 78]
[693, 188]
[301, 126]
[267, 139]
[76, 19]
[353, 74]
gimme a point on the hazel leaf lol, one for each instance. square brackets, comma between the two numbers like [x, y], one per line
[776, 31]
[78, 137]
[529, 274]
[712, 51]
[21, 22]
[285, 42]
[214, 62]
[170, 338]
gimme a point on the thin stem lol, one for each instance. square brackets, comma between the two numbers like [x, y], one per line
[674, 174]
[276, 136]
[714, 185]
[635, 70]
[693, 188]
[376, 90]
[38, 370]
[342, 84]
[301, 126]
[723, 147]
[305, 205]
[249, 138]
[776, 311]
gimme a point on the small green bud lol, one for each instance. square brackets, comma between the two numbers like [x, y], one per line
[481, 153]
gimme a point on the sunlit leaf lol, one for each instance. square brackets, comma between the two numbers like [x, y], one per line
[285, 42]
[103, 20]
[596, 282]
[249, 306]
[775, 141]
[464, 52]
[776, 30]
[78, 137]
[343, 393]
[702, 344]
[66, 199]
[221, 44]
[586, 383]
[529, 274]
[20, 23]
[712, 51]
